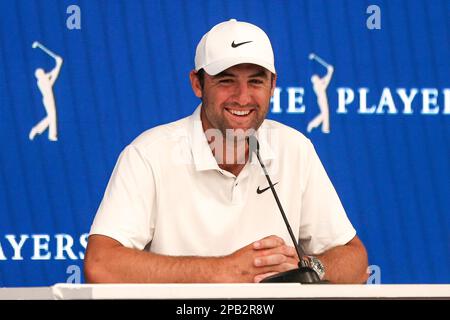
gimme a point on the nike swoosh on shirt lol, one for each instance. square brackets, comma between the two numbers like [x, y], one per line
[259, 191]
[235, 45]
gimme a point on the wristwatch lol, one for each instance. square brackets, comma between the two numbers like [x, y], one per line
[315, 264]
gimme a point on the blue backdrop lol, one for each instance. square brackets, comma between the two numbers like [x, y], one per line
[126, 70]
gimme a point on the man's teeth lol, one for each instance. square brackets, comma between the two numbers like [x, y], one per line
[240, 113]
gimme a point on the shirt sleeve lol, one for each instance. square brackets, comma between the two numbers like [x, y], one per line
[323, 223]
[127, 211]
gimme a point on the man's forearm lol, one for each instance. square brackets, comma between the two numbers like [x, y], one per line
[346, 264]
[125, 265]
[108, 261]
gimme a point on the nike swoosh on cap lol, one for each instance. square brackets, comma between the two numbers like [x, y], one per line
[259, 191]
[235, 45]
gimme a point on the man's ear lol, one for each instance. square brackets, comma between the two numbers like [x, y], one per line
[195, 84]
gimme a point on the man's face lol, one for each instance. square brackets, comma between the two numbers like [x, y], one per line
[237, 98]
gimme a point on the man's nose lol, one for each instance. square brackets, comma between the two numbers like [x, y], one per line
[243, 94]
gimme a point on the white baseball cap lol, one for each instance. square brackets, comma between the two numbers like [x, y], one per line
[233, 42]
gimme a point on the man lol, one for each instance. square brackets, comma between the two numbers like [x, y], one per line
[185, 205]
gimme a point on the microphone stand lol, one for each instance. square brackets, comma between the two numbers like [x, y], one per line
[303, 274]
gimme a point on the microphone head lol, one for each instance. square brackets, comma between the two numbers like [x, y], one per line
[253, 144]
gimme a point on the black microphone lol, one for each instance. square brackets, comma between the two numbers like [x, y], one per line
[303, 274]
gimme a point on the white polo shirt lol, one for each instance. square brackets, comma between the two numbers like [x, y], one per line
[168, 195]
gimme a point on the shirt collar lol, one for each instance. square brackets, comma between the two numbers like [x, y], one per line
[202, 154]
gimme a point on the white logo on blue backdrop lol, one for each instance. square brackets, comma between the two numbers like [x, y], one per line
[45, 82]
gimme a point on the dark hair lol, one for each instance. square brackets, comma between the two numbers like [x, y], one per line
[201, 77]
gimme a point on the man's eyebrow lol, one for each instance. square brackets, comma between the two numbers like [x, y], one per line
[224, 74]
[259, 74]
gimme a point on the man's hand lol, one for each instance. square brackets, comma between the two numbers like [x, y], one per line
[259, 260]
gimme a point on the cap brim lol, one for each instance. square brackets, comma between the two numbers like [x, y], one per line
[219, 66]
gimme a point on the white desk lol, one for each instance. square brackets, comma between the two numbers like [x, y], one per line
[226, 291]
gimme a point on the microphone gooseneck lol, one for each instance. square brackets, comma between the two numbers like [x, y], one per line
[272, 188]
[303, 274]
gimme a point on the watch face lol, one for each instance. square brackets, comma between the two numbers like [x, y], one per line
[317, 266]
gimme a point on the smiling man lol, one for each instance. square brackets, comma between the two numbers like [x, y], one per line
[186, 203]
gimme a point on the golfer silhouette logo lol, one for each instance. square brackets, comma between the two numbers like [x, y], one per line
[45, 82]
[320, 89]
